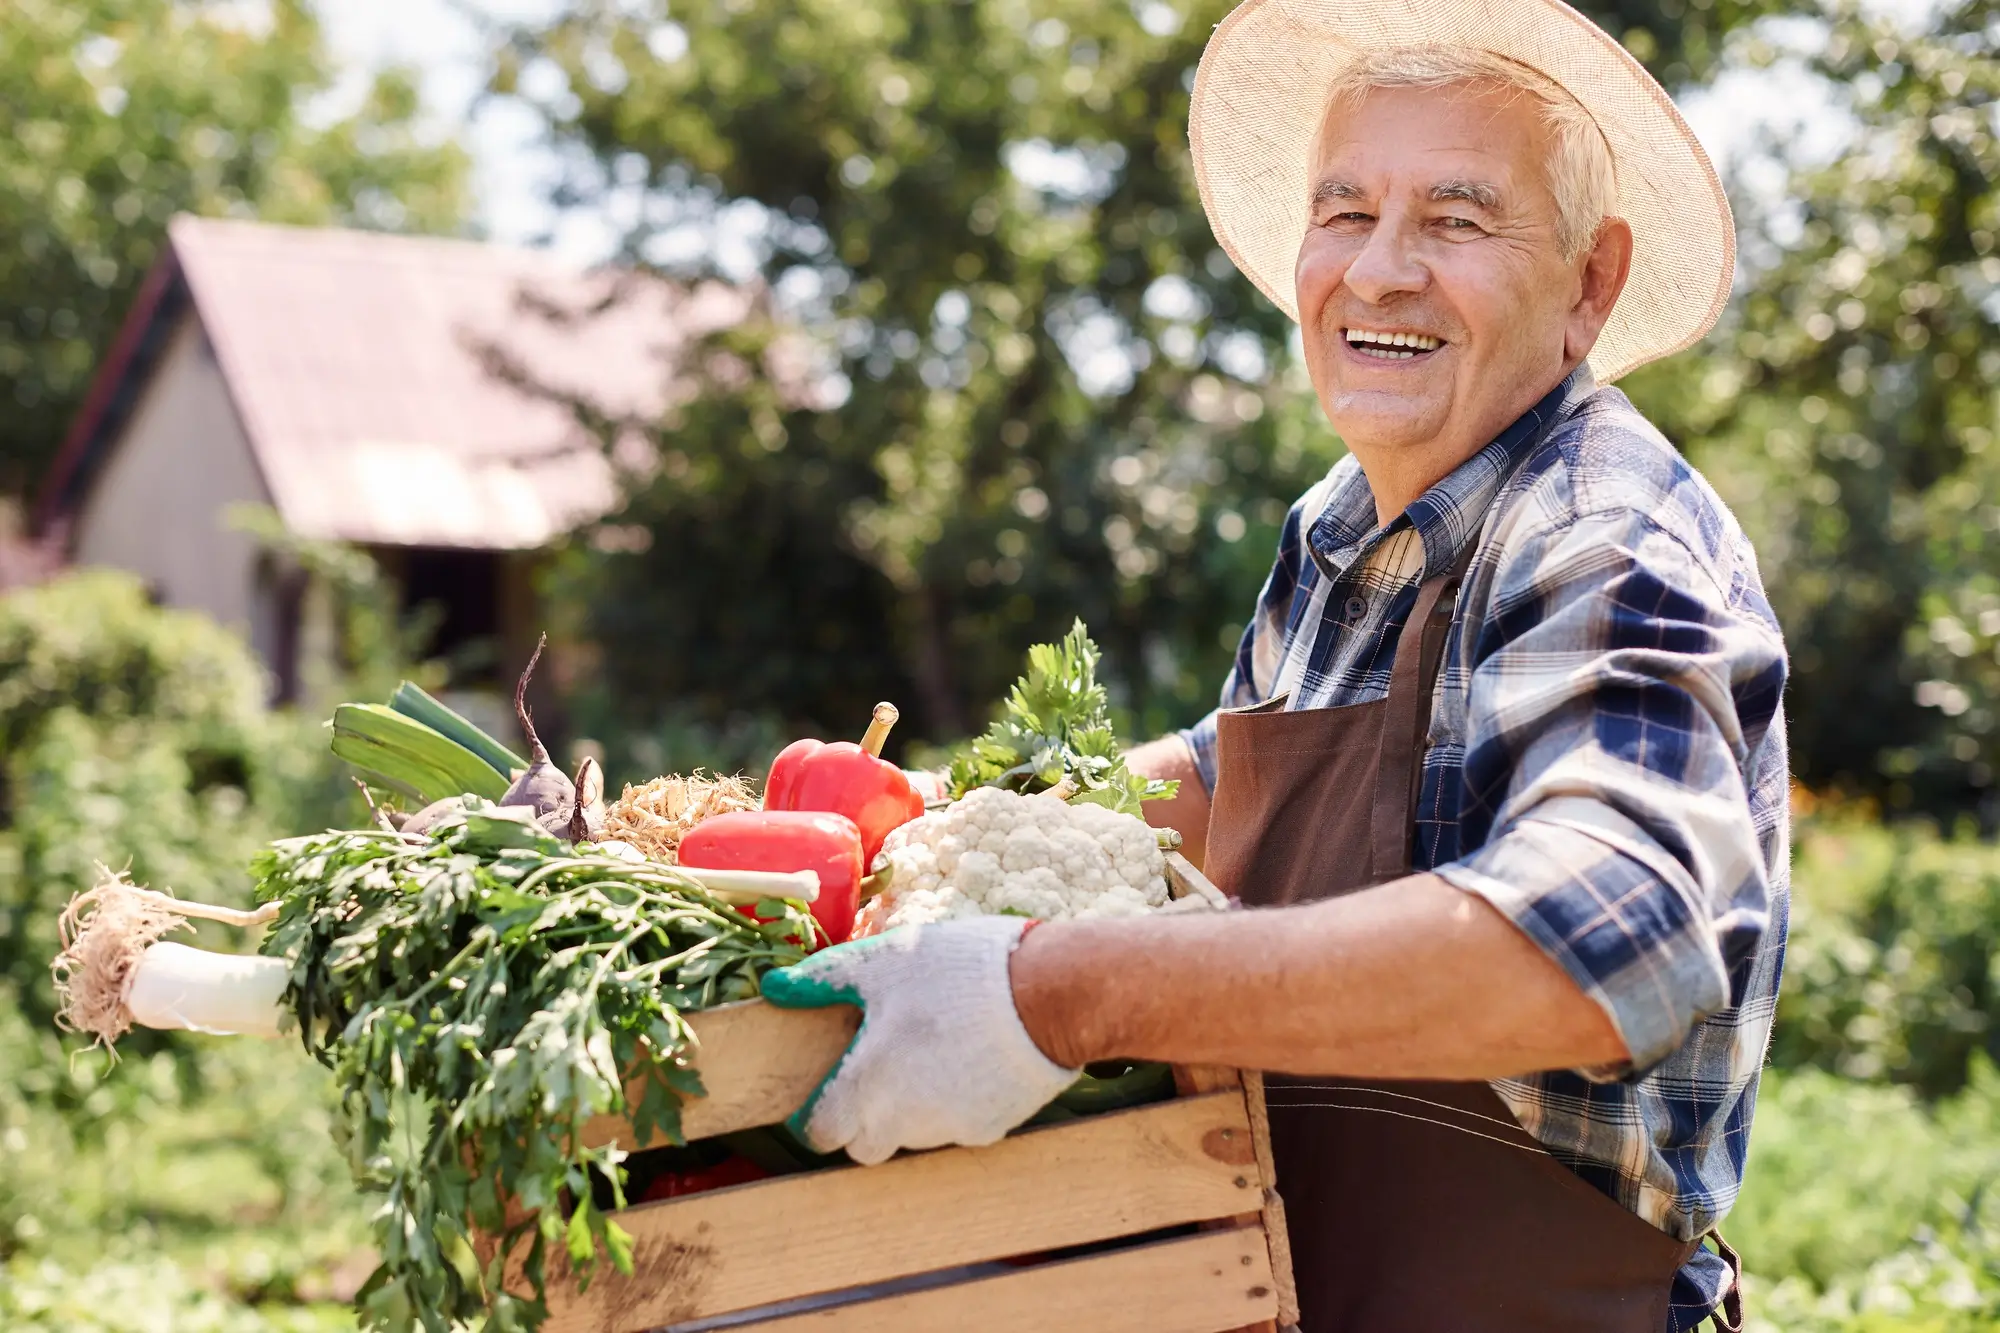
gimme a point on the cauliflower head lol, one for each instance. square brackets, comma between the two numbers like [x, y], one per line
[1000, 852]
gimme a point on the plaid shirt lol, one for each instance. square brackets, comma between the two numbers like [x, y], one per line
[1607, 768]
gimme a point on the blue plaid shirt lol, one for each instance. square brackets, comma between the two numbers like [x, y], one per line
[1607, 767]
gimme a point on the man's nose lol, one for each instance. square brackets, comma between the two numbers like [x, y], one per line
[1385, 267]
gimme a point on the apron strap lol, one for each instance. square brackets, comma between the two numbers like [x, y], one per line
[1728, 1316]
[1404, 742]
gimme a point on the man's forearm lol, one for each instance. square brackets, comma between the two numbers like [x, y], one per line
[1413, 979]
[1186, 811]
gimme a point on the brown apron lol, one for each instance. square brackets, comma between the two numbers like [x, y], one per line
[1414, 1207]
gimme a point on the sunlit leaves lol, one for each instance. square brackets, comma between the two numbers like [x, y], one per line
[479, 1001]
[119, 115]
[1846, 407]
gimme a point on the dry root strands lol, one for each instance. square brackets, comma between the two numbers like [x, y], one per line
[105, 931]
[114, 971]
[654, 817]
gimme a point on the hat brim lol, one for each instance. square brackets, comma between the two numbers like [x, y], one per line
[1262, 88]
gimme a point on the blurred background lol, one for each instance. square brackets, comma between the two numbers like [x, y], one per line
[775, 358]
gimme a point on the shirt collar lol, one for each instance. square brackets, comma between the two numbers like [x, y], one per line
[1448, 514]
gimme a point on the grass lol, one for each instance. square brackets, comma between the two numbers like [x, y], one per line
[197, 1192]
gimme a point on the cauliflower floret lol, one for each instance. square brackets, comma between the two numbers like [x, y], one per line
[997, 851]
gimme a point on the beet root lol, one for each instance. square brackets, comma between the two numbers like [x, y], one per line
[542, 785]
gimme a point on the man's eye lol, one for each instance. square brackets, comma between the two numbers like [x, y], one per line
[1458, 224]
[1351, 217]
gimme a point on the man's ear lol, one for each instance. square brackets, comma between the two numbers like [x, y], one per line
[1605, 269]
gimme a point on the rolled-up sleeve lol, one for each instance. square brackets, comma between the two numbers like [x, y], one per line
[1617, 688]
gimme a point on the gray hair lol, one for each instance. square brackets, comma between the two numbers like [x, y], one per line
[1582, 174]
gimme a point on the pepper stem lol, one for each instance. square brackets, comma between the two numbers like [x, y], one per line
[877, 734]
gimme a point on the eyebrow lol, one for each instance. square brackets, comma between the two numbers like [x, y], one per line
[1477, 193]
[1330, 189]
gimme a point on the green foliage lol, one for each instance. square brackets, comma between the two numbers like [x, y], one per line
[195, 1181]
[743, 741]
[1864, 1210]
[1030, 387]
[139, 1296]
[121, 113]
[203, 1183]
[93, 643]
[1681, 41]
[1846, 411]
[1844, 1174]
[1869, 1204]
[133, 735]
[973, 462]
[479, 997]
[375, 642]
[1056, 727]
[1891, 969]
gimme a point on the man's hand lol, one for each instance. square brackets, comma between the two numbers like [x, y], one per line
[941, 1056]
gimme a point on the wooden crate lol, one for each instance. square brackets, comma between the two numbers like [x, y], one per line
[1173, 1199]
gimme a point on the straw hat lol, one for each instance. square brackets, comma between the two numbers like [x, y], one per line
[1263, 86]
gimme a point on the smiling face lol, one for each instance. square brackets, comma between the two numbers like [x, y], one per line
[1435, 302]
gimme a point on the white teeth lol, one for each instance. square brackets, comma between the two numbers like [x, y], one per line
[1367, 337]
[1378, 344]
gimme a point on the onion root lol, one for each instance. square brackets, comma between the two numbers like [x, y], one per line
[108, 933]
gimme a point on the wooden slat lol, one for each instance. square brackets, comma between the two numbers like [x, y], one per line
[1190, 1080]
[1088, 1180]
[1183, 877]
[1216, 1281]
[758, 1062]
[1276, 1231]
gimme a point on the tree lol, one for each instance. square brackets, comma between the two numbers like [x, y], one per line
[119, 115]
[1847, 409]
[1046, 392]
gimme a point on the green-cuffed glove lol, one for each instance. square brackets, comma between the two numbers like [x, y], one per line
[941, 1056]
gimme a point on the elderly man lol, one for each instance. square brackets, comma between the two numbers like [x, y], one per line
[1500, 764]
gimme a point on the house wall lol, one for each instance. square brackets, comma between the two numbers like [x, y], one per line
[157, 506]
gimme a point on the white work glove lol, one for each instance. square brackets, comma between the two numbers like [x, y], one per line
[941, 1056]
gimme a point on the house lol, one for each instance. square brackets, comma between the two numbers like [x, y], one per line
[369, 389]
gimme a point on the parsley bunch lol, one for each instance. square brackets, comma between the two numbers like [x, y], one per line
[1056, 728]
[480, 995]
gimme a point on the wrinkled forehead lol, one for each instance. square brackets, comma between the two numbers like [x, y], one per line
[1483, 133]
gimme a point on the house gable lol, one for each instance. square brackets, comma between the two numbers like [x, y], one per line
[157, 504]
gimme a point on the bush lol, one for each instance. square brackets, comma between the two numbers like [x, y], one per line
[134, 736]
[1844, 1174]
[139, 1296]
[1868, 1203]
[1890, 973]
[1865, 1209]
[193, 1184]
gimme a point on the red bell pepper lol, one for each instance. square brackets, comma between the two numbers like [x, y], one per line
[848, 779]
[820, 841]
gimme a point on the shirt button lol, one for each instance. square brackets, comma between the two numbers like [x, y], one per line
[1356, 608]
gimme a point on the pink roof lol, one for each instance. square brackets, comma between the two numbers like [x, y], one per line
[359, 364]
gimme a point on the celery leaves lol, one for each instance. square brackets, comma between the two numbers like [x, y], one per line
[1056, 726]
